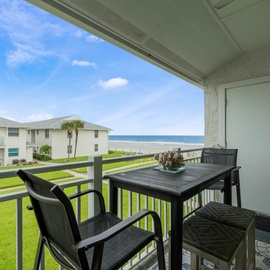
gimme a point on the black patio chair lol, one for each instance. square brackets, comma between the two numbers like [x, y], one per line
[223, 157]
[103, 241]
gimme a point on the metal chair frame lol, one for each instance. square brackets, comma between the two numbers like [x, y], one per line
[103, 241]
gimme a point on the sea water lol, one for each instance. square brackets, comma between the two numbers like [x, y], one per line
[153, 144]
[183, 139]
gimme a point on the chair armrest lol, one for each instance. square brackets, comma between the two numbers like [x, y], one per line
[111, 232]
[81, 193]
[237, 168]
[235, 175]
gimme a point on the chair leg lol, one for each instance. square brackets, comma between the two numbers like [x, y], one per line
[240, 261]
[39, 253]
[251, 247]
[160, 255]
[194, 262]
[200, 199]
[238, 194]
[224, 265]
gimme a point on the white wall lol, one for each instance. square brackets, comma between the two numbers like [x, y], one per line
[252, 65]
[86, 143]
[16, 142]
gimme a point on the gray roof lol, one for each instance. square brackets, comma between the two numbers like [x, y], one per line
[10, 123]
[31, 144]
[56, 123]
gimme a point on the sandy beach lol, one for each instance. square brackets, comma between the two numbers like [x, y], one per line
[149, 147]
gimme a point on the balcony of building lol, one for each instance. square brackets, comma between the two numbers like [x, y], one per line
[19, 241]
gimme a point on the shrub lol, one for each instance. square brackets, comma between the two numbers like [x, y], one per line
[41, 157]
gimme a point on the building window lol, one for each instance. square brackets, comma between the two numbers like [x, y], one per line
[47, 133]
[37, 131]
[13, 152]
[69, 135]
[28, 132]
[13, 132]
[69, 149]
[96, 147]
[96, 133]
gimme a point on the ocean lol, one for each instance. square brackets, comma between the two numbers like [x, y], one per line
[158, 139]
[154, 144]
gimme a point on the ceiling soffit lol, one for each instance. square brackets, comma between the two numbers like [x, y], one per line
[189, 38]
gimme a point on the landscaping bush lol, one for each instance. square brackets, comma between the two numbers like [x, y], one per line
[41, 157]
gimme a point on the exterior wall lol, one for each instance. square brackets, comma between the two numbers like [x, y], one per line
[16, 142]
[29, 154]
[252, 65]
[2, 145]
[86, 143]
[59, 143]
[39, 137]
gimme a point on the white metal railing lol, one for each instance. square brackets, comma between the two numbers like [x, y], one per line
[94, 180]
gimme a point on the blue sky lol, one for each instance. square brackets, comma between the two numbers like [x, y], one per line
[50, 68]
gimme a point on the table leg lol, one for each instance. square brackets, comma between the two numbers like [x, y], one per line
[176, 233]
[228, 190]
[113, 197]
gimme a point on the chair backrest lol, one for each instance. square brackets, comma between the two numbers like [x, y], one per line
[55, 217]
[219, 156]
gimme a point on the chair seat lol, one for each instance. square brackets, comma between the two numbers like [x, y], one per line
[230, 215]
[214, 238]
[125, 242]
[236, 217]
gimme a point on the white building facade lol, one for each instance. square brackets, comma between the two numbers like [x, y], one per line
[13, 143]
[92, 139]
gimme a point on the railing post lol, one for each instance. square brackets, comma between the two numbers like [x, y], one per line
[95, 172]
[19, 225]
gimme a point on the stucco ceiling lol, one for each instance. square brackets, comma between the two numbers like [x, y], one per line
[189, 38]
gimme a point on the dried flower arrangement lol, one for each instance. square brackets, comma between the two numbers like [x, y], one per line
[170, 160]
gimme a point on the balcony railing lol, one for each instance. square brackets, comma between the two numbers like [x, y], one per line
[94, 180]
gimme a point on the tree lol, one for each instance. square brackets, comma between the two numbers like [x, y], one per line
[45, 149]
[76, 125]
[68, 126]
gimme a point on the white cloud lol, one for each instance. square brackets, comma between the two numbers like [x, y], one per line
[113, 83]
[83, 64]
[93, 39]
[79, 33]
[26, 28]
[39, 117]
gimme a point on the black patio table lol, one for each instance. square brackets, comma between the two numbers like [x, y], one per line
[174, 188]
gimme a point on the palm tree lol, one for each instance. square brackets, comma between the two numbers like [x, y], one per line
[68, 126]
[76, 125]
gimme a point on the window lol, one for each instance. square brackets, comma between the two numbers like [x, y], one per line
[69, 135]
[96, 147]
[69, 149]
[96, 133]
[47, 133]
[13, 152]
[13, 132]
[37, 131]
[28, 132]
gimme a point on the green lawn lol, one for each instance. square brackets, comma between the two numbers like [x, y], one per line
[13, 182]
